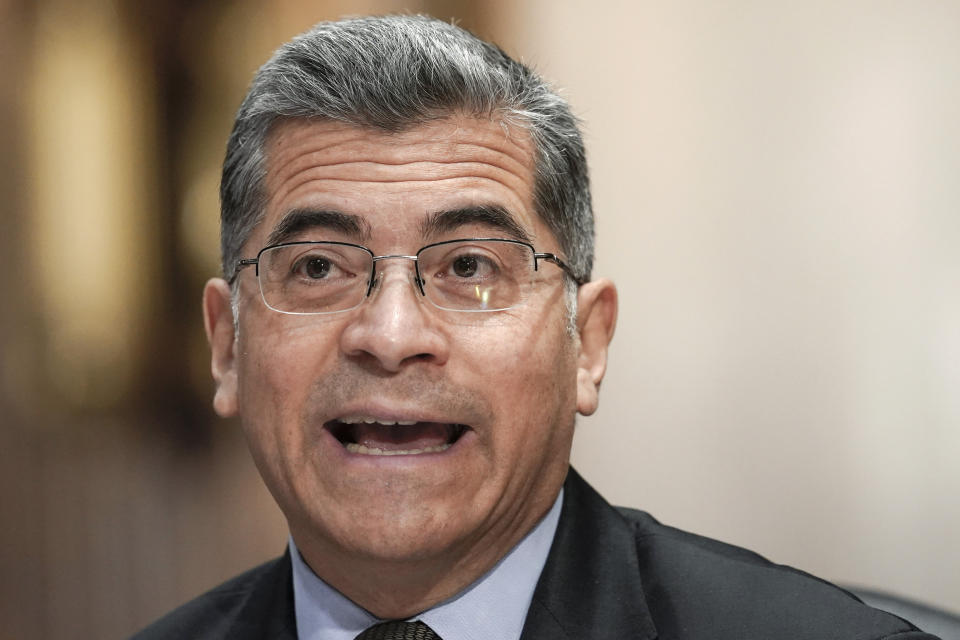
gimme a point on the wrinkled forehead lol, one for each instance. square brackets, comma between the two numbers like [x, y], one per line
[452, 135]
[455, 161]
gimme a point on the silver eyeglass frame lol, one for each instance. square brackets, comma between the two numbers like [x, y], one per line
[418, 278]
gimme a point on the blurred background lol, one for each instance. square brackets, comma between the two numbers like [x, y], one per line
[777, 195]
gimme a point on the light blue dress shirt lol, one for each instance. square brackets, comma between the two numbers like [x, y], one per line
[495, 606]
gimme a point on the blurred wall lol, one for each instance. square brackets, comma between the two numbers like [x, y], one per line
[777, 196]
[776, 199]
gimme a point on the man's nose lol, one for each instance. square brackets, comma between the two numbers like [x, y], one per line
[396, 325]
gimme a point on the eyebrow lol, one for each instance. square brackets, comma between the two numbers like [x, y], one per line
[297, 221]
[493, 216]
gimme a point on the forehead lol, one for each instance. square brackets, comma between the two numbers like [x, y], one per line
[386, 179]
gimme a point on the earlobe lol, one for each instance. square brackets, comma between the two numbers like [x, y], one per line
[596, 321]
[218, 322]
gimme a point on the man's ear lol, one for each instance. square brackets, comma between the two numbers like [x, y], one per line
[218, 322]
[596, 320]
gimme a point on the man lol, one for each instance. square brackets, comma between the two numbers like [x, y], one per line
[407, 328]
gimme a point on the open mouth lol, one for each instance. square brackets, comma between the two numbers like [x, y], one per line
[377, 437]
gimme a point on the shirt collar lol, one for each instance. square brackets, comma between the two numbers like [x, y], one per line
[495, 606]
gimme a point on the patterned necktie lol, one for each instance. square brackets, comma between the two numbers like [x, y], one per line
[399, 630]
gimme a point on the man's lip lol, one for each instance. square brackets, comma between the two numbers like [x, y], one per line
[361, 457]
[379, 433]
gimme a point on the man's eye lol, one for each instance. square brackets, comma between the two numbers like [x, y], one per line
[313, 267]
[465, 266]
[472, 266]
[316, 268]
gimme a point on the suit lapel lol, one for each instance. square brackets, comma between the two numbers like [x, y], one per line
[590, 587]
[268, 610]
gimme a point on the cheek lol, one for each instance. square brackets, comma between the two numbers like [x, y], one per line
[529, 375]
[278, 369]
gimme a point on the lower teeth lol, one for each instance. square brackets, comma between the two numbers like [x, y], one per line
[353, 447]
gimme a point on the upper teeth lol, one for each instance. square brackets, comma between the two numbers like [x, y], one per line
[369, 420]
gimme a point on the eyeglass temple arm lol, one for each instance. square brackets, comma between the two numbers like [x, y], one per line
[550, 257]
[241, 265]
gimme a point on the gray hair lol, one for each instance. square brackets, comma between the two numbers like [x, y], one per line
[393, 73]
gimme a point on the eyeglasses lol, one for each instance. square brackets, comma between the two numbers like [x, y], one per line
[475, 274]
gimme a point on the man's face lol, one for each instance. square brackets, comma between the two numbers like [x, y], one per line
[500, 388]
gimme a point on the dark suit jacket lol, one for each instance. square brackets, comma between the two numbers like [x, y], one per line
[611, 574]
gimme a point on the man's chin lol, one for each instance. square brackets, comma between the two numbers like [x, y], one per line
[398, 535]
